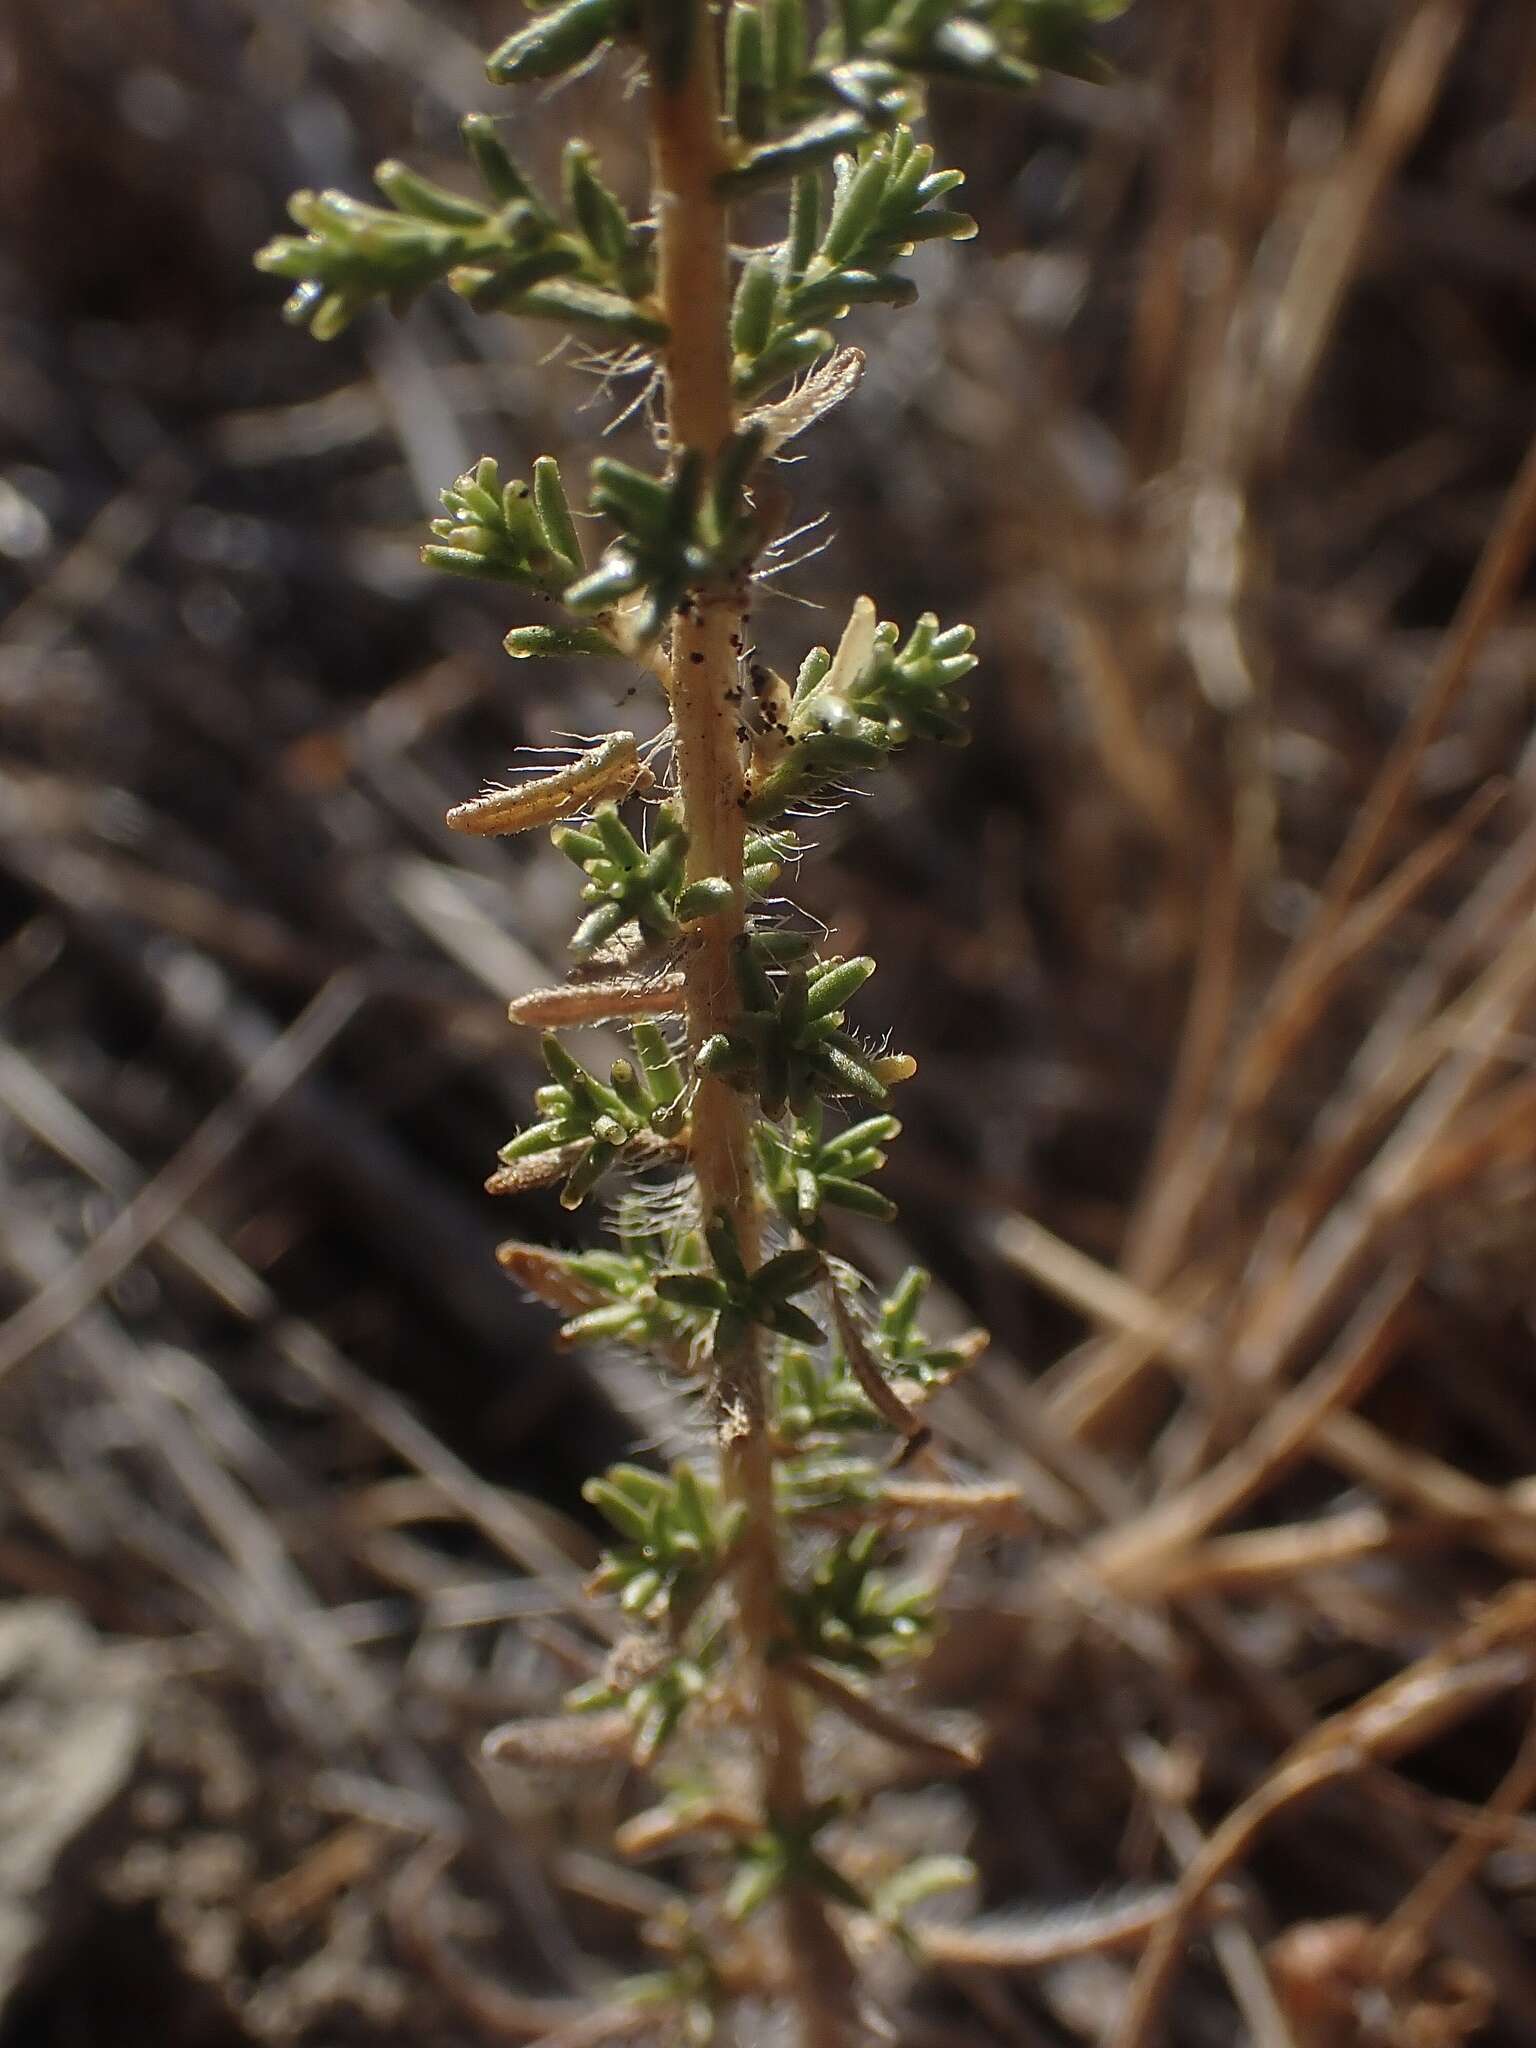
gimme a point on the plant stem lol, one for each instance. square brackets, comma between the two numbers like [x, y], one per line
[694, 286]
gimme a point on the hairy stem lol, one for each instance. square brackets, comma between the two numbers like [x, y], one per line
[694, 286]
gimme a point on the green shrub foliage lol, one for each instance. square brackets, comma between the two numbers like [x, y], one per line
[821, 109]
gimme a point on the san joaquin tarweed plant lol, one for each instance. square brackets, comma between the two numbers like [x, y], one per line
[766, 1587]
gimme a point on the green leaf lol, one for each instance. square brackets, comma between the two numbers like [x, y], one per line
[498, 172]
[746, 75]
[554, 512]
[833, 984]
[555, 42]
[525, 643]
[786, 1320]
[625, 1513]
[788, 1273]
[414, 194]
[752, 315]
[705, 898]
[676, 1540]
[586, 306]
[816, 142]
[691, 1290]
[926, 1877]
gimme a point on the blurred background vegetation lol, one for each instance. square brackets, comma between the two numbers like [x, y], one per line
[1216, 435]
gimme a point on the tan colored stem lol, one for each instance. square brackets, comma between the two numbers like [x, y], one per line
[687, 156]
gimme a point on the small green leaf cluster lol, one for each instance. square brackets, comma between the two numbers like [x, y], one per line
[991, 42]
[805, 1172]
[788, 1046]
[608, 1291]
[630, 883]
[820, 1400]
[786, 1854]
[885, 201]
[791, 109]
[515, 533]
[628, 1309]
[908, 1354]
[509, 252]
[677, 1538]
[794, 105]
[853, 709]
[823, 1482]
[695, 527]
[506, 252]
[584, 1123]
[735, 1300]
[351, 252]
[851, 1612]
[654, 1702]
